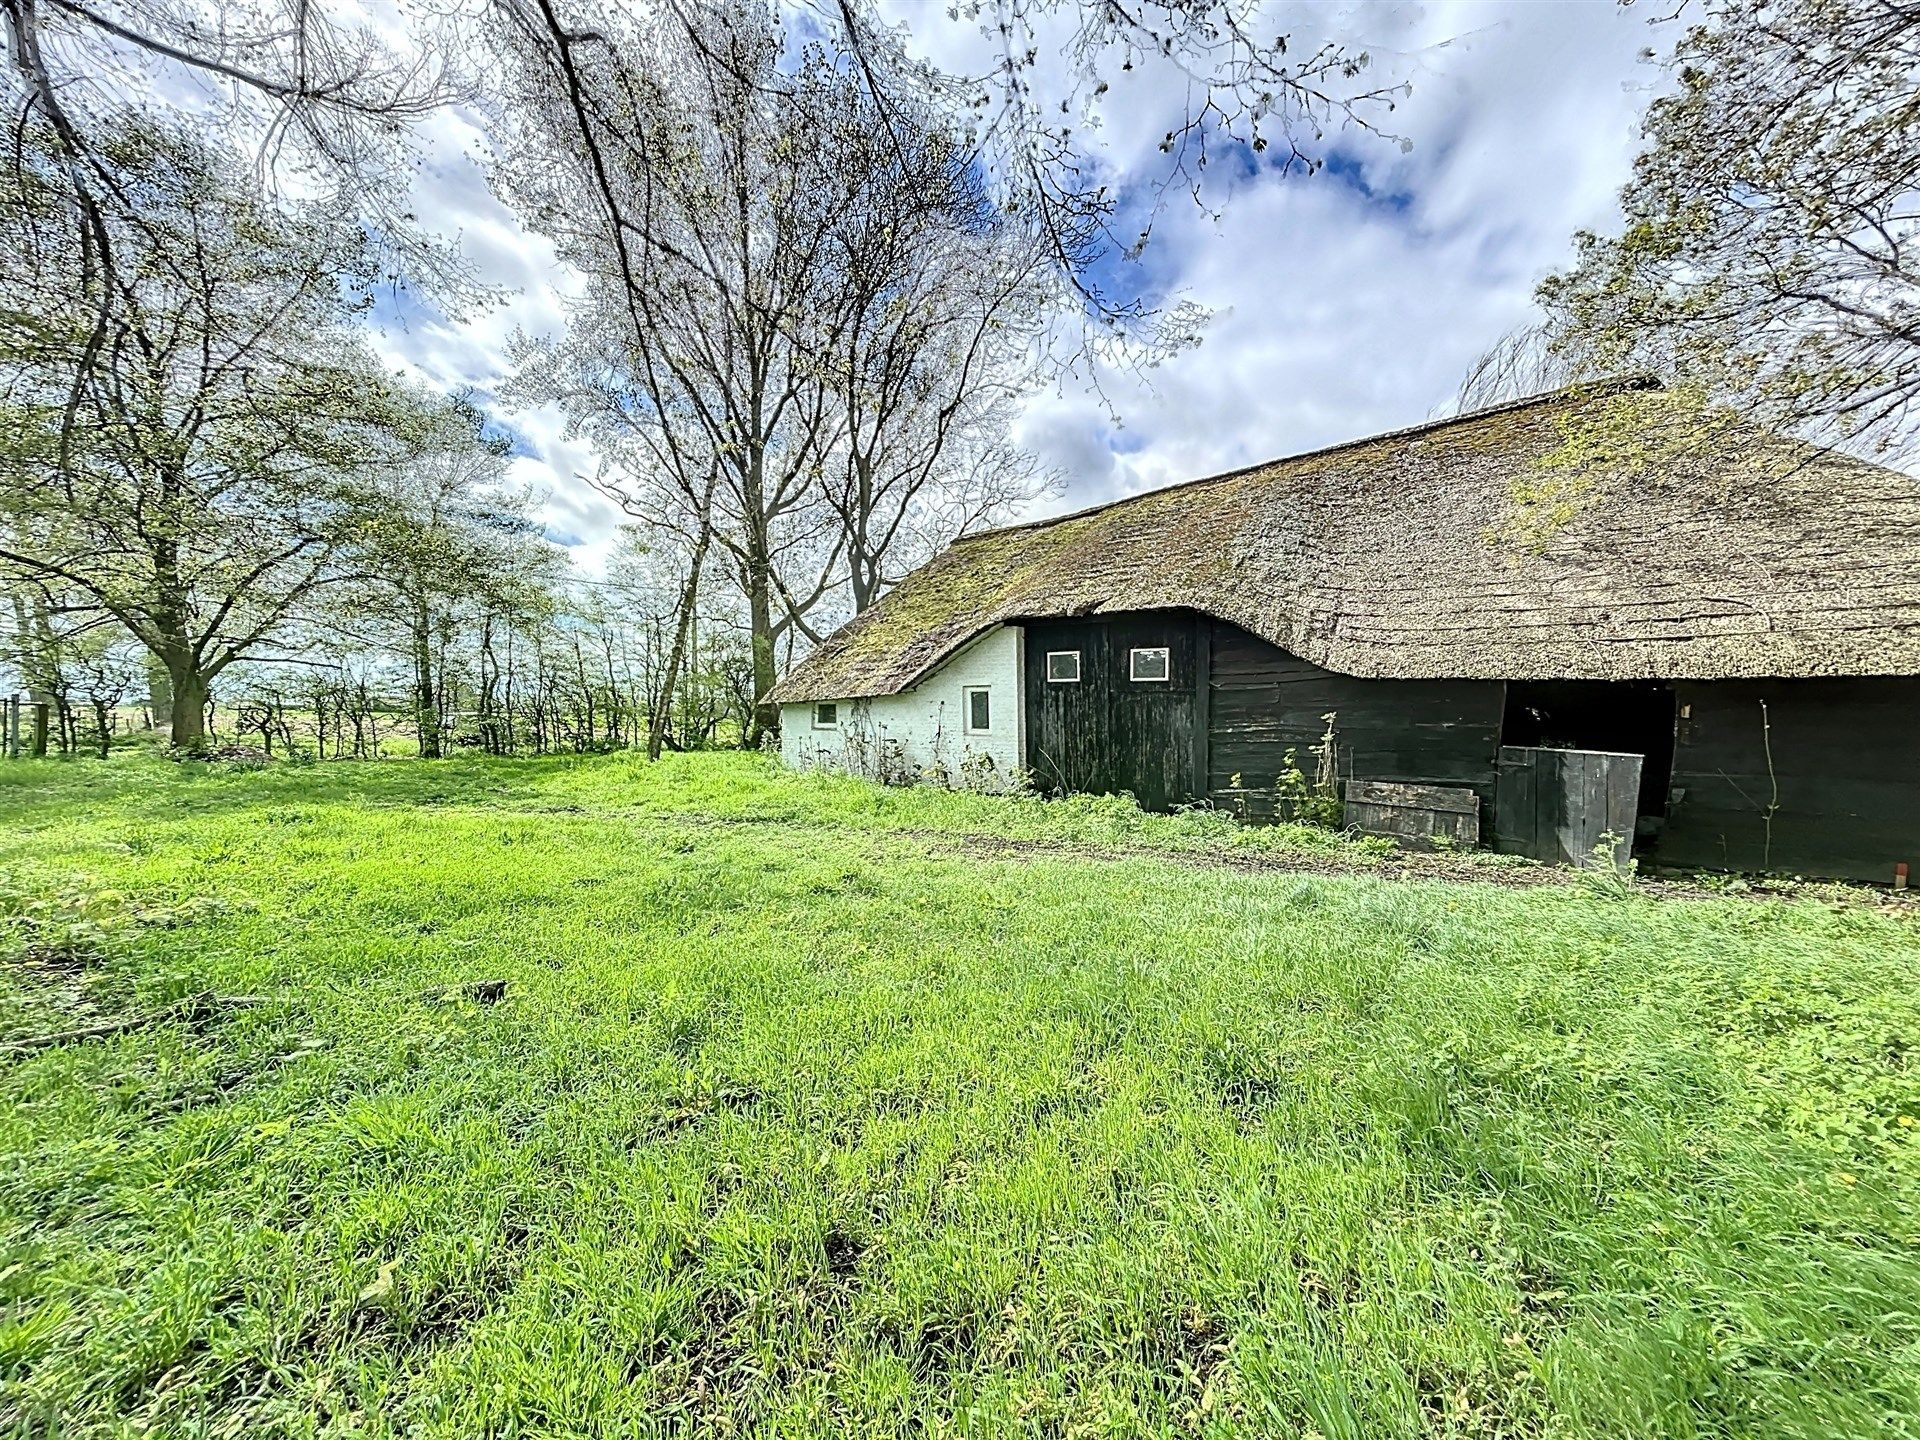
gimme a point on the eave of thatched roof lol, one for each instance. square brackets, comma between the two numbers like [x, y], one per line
[1602, 532]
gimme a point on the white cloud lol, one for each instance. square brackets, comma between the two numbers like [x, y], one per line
[1351, 302]
[1345, 303]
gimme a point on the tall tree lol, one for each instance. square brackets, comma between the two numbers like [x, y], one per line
[308, 93]
[1771, 247]
[215, 448]
[943, 303]
[694, 342]
[317, 90]
[442, 539]
[680, 126]
[1031, 117]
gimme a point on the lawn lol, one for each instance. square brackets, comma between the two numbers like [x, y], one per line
[813, 1109]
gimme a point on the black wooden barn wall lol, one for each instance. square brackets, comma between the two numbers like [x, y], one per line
[1266, 701]
[1221, 726]
[1844, 776]
[1845, 752]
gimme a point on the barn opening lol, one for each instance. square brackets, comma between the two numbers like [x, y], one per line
[1631, 717]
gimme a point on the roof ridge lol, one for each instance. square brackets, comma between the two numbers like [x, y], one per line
[1609, 385]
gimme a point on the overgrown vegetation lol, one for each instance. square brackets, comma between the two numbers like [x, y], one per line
[1311, 800]
[812, 1107]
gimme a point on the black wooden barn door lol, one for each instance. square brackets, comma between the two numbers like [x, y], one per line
[1561, 805]
[1135, 718]
[1067, 718]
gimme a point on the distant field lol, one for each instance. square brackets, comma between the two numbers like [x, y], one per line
[812, 1109]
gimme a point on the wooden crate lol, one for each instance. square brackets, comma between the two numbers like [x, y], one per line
[1415, 815]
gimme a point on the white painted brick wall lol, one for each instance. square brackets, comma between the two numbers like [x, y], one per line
[922, 732]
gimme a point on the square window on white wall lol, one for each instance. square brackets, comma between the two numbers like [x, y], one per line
[1063, 667]
[826, 715]
[1149, 663]
[979, 711]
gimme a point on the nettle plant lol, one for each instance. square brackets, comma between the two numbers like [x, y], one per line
[1312, 800]
[979, 772]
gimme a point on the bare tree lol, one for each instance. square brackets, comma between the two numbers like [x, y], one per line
[693, 344]
[687, 130]
[944, 303]
[1029, 122]
[676, 521]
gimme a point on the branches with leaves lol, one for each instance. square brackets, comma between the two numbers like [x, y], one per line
[1771, 246]
[203, 471]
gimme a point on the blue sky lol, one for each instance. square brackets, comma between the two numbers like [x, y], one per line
[1343, 303]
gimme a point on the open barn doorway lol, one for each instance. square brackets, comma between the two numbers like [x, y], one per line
[1633, 717]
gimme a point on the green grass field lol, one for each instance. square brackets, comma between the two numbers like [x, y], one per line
[813, 1109]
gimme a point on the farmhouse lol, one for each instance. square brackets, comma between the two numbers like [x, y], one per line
[1535, 626]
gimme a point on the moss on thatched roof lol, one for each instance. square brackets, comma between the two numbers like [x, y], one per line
[1603, 532]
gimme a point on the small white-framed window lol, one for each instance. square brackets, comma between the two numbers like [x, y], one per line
[1149, 663]
[978, 705]
[826, 715]
[1063, 667]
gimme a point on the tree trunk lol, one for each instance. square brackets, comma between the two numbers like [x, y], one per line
[159, 690]
[677, 653]
[189, 685]
[766, 717]
[426, 699]
[489, 685]
[863, 569]
[189, 708]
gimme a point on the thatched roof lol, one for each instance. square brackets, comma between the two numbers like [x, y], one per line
[1584, 534]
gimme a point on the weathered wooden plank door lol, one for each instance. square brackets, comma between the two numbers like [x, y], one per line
[1561, 805]
[1125, 724]
[1068, 719]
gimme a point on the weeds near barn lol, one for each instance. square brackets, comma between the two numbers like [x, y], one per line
[807, 1111]
[1311, 801]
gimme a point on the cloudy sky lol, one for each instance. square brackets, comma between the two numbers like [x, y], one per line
[1343, 303]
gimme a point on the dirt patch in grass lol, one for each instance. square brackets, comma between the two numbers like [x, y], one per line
[1471, 869]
